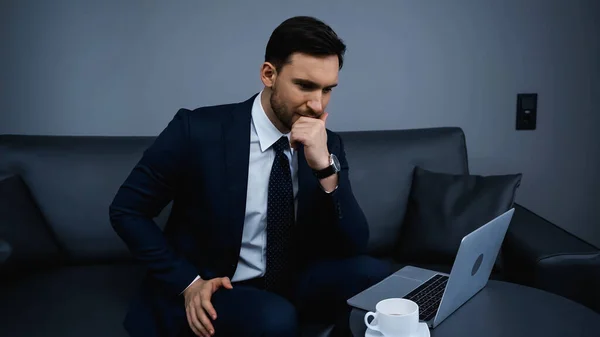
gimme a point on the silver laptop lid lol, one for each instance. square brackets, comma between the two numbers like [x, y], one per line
[473, 265]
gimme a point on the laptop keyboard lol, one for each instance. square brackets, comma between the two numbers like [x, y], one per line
[428, 296]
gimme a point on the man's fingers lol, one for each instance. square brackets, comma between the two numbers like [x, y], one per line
[296, 138]
[208, 307]
[221, 282]
[191, 317]
[307, 128]
[227, 283]
[309, 121]
[206, 323]
[196, 326]
[302, 134]
[190, 323]
[323, 116]
[293, 144]
[302, 128]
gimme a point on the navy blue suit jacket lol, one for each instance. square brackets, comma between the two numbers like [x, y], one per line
[200, 162]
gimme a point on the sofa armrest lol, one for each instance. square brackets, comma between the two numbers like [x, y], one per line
[5, 251]
[530, 240]
[574, 276]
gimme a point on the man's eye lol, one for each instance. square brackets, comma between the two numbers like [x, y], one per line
[327, 90]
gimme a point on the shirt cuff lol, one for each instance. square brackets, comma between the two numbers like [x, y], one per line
[196, 279]
[329, 192]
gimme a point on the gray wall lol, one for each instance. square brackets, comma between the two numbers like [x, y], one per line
[125, 67]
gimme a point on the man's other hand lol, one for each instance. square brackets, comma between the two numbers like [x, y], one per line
[199, 310]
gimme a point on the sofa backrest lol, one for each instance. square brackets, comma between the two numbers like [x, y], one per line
[73, 180]
[381, 169]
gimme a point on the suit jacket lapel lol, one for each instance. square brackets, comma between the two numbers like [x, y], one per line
[236, 133]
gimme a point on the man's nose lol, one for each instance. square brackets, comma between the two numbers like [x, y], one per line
[316, 106]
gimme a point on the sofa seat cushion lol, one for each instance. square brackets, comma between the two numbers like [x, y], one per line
[78, 301]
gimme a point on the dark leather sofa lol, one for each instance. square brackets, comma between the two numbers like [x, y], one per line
[64, 271]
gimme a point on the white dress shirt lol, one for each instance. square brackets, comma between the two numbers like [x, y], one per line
[263, 134]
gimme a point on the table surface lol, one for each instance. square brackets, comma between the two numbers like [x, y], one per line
[508, 309]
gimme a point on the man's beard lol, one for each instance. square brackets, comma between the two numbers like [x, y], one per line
[280, 110]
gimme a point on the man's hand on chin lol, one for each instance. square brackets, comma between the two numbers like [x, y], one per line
[312, 134]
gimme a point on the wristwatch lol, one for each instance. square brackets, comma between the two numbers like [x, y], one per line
[333, 168]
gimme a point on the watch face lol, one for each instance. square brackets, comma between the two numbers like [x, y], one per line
[336, 163]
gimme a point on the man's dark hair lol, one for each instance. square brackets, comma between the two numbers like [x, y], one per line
[303, 34]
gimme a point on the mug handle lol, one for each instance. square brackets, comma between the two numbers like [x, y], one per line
[370, 326]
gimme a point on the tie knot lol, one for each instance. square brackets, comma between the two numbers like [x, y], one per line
[281, 145]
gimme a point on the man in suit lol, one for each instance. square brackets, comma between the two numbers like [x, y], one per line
[264, 229]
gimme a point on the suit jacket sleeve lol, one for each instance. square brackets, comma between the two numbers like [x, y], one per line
[151, 185]
[350, 229]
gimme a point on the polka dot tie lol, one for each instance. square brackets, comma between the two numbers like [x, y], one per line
[280, 218]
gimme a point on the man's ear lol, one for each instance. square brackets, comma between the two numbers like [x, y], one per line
[268, 74]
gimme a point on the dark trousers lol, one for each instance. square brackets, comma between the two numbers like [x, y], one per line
[319, 296]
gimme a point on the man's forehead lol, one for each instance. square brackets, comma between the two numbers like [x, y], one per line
[321, 70]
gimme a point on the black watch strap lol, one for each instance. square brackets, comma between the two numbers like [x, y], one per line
[324, 173]
[333, 168]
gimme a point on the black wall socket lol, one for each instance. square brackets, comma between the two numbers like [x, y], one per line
[526, 111]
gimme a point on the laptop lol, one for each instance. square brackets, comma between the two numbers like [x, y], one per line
[438, 294]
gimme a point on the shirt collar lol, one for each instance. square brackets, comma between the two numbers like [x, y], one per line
[265, 130]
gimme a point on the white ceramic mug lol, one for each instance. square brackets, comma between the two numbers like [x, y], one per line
[394, 317]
